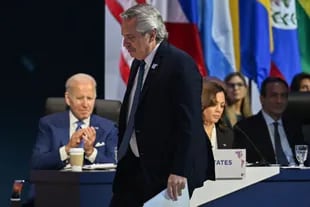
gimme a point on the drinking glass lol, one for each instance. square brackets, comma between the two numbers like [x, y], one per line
[115, 155]
[301, 152]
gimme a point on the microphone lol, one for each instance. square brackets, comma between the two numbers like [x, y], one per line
[262, 161]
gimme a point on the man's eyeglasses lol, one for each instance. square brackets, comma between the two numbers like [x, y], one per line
[234, 85]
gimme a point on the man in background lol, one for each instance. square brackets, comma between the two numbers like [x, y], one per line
[59, 132]
[269, 137]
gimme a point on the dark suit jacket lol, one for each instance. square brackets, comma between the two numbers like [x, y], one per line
[256, 129]
[224, 137]
[168, 124]
[54, 132]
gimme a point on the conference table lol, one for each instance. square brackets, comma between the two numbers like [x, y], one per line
[290, 187]
[286, 187]
[89, 188]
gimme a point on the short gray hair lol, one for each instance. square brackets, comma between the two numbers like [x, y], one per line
[148, 18]
[80, 77]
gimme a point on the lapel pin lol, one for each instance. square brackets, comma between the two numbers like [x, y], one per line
[154, 66]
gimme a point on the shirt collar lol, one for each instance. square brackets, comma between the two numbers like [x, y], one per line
[73, 120]
[270, 120]
[148, 60]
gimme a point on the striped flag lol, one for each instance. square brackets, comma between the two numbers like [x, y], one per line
[303, 20]
[218, 37]
[181, 19]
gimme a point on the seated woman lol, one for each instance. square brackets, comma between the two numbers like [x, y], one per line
[301, 82]
[238, 99]
[213, 105]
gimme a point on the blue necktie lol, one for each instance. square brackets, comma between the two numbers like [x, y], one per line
[130, 125]
[79, 126]
[281, 158]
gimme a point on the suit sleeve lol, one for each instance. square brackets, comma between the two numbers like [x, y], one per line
[187, 114]
[45, 156]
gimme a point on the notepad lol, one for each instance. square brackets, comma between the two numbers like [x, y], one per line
[163, 200]
[100, 166]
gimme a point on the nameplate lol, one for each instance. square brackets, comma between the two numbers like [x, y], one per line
[229, 163]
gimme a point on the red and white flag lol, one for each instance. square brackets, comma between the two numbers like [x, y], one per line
[181, 19]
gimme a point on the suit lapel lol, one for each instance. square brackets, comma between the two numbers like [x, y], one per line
[221, 139]
[94, 123]
[64, 128]
[288, 132]
[131, 80]
[154, 68]
[264, 139]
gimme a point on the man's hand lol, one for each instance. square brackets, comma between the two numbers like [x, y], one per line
[75, 140]
[175, 185]
[89, 137]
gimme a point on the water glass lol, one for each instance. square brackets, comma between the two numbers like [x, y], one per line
[115, 155]
[301, 152]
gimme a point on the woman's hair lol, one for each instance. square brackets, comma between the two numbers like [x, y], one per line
[245, 104]
[295, 85]
[210, 87]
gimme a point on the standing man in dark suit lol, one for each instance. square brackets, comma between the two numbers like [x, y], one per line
[162, 143]
[258, 134]
[61, 131]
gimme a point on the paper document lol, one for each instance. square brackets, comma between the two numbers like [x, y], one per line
[162, 199]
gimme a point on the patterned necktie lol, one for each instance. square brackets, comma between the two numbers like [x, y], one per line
[79, 126]
[130, 125]
[281, 158]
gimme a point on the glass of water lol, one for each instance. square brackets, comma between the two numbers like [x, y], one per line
[301, 152]
[115, 155]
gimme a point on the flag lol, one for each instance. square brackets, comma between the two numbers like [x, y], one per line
[181, 19]
[217, 35]
[285, 57]
[303, 22]
[256, 43]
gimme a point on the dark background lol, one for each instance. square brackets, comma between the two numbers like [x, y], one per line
[42, 44]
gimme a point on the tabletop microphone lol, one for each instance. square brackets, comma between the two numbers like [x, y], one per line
[262, 161]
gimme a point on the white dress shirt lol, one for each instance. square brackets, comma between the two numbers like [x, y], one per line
[148, 61]
[284, 142]
[213, 138]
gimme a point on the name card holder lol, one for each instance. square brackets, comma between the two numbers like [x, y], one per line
[229, 163]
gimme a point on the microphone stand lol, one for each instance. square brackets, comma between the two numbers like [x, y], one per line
[262, 161]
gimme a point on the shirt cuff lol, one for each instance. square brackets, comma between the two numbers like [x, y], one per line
[63, 154]
[93, 156]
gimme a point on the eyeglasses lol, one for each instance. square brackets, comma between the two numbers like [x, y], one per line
[234, 85]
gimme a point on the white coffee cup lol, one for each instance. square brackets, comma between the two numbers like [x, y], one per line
[76, 159]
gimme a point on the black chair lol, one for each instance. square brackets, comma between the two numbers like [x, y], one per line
[299, 106]
[103, 107]
[298, 109]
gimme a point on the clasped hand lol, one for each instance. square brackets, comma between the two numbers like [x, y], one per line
[86, 135]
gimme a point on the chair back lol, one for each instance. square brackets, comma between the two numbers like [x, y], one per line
[109, 109]
[298, 109]
[298, 106]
